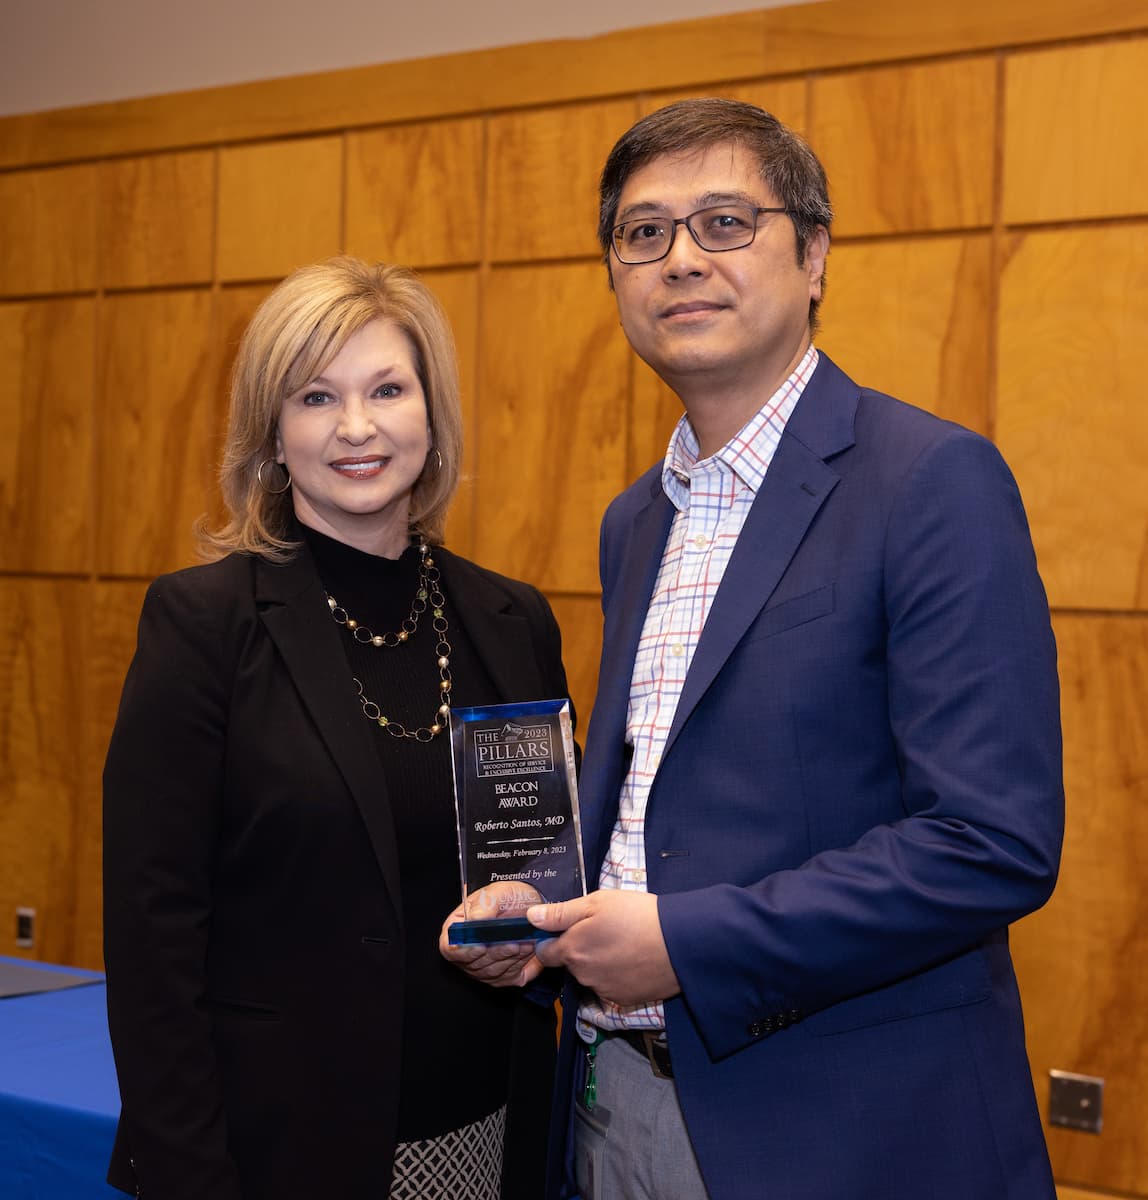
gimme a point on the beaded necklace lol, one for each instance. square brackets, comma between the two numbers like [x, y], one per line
[428, 592]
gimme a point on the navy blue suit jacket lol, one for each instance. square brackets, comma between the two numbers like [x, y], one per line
[861, 790]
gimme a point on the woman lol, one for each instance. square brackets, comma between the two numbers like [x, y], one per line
[279, 827]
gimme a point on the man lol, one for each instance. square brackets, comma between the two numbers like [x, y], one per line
[823, 772]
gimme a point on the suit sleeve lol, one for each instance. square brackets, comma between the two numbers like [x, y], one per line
[163, 781]
[973, 714]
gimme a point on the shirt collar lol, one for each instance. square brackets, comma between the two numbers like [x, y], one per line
[749, 452]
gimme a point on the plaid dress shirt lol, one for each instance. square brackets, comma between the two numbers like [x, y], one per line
[712, 497]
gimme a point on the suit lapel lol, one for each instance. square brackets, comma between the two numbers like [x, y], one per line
[293, 607]
[795, 487]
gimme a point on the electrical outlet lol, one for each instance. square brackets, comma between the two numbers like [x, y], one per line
[1076, 1101]
[25, 928]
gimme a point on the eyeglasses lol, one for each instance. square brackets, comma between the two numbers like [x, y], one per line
[724, 227]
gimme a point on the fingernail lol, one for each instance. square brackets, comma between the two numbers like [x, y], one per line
[536, 913]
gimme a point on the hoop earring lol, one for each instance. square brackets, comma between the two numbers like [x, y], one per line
[438, 460]
[262, 483]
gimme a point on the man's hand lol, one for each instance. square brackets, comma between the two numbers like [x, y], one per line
[500, 964]
[612, 942]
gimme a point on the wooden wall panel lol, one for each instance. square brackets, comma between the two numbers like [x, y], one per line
[48, 220]
[551, 443]
[414, 193]
[158, 224]
[943, 135]
[46, 420]
[1072, 421]
[541, 193]
[861, 32]
[908, 149]
[458, 292]
[234, 308]
[278, 206]
[785, 98]
[1080, 960]
[1074, 1193]
[654, 411]
[43, 632]
[747, 45]
[913, 317]
[568, 69]
[1076, 142]
[159, 429]
[113, 613]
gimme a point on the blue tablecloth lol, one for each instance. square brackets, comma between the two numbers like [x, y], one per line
[58, 1095]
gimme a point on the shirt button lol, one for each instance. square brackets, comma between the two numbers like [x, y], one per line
[638, 875]
[677, 649]
[701, 541]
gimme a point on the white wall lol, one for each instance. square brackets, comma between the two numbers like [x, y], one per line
[60, 53]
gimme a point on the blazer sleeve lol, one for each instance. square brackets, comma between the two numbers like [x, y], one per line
[163, 781]
[972, 702]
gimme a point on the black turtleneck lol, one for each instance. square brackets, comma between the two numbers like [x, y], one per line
[456, 1043]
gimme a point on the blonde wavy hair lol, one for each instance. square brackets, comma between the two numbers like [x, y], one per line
[295, 333]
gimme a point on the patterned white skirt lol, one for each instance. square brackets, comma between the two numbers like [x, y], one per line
[465, 1164]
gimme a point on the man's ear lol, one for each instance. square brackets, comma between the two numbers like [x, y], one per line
[816, 251]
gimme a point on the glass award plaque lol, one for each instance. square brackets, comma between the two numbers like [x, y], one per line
[516, 800]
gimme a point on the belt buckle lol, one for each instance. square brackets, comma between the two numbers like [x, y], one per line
[657, 1049]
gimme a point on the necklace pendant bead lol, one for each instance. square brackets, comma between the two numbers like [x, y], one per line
[403, 635]
[377, 640]
[352, 623]
[443, 662]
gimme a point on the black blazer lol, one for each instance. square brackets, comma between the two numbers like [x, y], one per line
[253, 934]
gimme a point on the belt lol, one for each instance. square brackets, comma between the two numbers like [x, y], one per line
[652, 1045]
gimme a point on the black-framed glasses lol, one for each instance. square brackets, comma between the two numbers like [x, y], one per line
[722, 227]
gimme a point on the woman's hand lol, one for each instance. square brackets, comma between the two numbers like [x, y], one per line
[500, 964]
